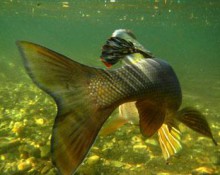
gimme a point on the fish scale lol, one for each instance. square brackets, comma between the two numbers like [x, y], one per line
[113, 86]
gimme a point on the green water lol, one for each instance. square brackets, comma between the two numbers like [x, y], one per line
[184, 33]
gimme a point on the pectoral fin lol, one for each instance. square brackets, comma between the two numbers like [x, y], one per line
[151, 117]
[196, 121]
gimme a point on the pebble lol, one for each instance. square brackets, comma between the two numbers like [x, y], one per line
[52, 172]
[18, 128]
[46, 169]
[204, 171]
[40, 121]
[216, 158]
[45, 151]
[8, 143]
[139, 147]
[23, 166]
[126, 152]
[92, 159]
[163, 173]
[151, 142]
[32, 161]
[117, 164]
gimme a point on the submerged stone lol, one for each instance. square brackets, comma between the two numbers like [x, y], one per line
[204, 171]
[93, 159]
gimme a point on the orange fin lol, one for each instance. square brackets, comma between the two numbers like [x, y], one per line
[169, 139]
[196, 121]
[151, 117]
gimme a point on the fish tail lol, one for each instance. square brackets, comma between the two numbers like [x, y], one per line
[196, 121]
[79, 116]
[169, 139]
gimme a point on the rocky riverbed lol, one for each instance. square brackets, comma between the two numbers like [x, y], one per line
[26, 118]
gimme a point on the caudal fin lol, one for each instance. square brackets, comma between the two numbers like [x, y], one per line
[79, 117]
[196, 121]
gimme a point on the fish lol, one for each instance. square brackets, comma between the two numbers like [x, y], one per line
[86, 96]
[169, 134]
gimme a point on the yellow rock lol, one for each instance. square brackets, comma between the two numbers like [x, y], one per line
[18, 128]
[2, 157]
[136, 139]
[138, 147]
[31, 160]
[203, 170]
[39, 121]
[151, 142]
[93, 159]
[23, 166]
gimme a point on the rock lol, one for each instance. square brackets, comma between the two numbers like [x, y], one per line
[216, 158]
[45, 151]
[151, 142]
[18, 128]
[40, 121]
[32, 161]
[117, 164]
[136, 139]
[46, 169]
[138, 147]
[8, 143]
[23, 166]
[93, 159]
[52, 172]
[203, 171]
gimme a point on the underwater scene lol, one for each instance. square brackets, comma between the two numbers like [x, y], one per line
[186, 34]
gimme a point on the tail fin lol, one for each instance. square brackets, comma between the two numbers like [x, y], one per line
[196, 121]
[79, 118]
[169, 138]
